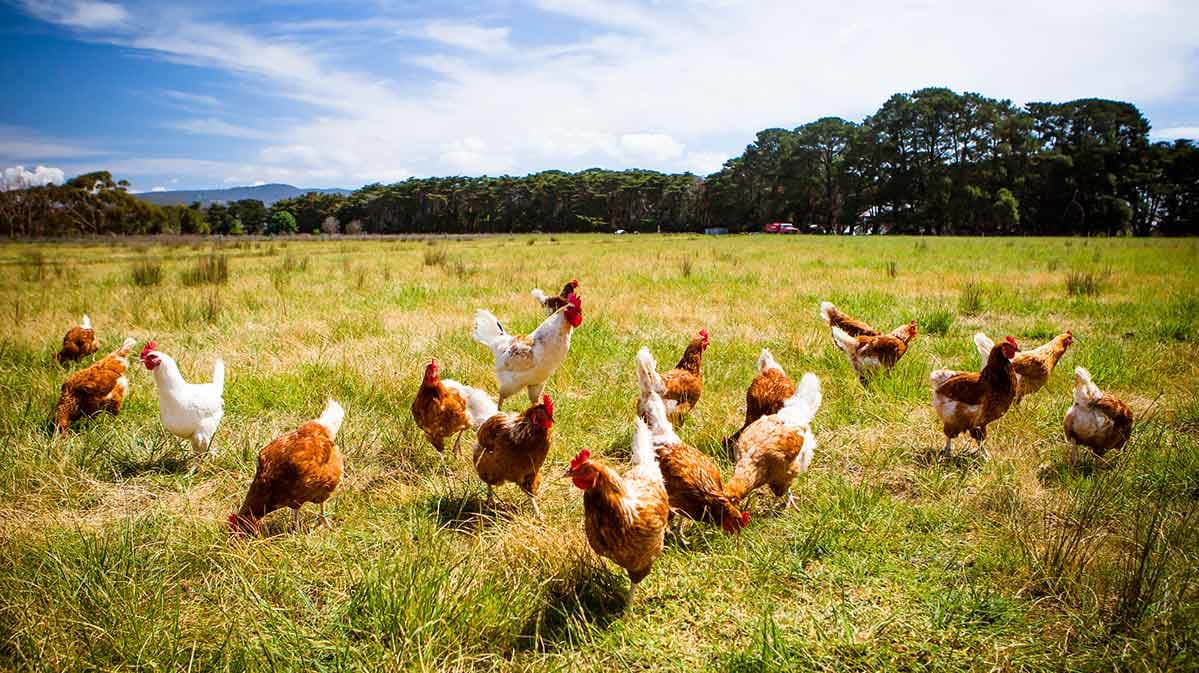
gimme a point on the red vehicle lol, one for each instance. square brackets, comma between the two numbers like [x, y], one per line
[780, 228]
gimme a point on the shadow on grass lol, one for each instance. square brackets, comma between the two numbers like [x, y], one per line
[469, 512]
[587, 599]
[146, 457]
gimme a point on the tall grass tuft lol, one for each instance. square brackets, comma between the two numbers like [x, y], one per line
[1085, 283]
[970, 301]
[892, 269]
[686, 267]
[436, 256]
[936, 322]
[145, 273]
[34, 267]
[212, 269]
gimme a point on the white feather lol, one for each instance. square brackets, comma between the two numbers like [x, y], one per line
[332, 417]
[984, 345]
[800, 408]
[644, 461]
[1085, 391]
[766, 361]
[826, 308]
[86, 323]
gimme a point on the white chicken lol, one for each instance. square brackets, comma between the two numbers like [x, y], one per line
[190, 411]
[527, 362]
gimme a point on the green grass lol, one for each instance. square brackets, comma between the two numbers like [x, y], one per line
[113, 552]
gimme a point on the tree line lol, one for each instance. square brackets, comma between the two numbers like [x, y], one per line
[928, 162]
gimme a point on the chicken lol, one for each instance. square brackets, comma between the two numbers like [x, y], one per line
[867, 348]
[624, 516]
[300, 467]
[851, 326]
[444, 407]
[766, 394]
[190, 411]
[680, 387]
[511, 447]
[778, 447]
[693, 482]
[527, 362]
[101, 387]
[551, 304]
[1033, 367]
[1096, 420]
[78, 343]
[968, 401]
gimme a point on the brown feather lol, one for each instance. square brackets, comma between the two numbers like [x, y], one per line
[300, 467]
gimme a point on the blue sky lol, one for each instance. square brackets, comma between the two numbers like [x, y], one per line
[183, 95]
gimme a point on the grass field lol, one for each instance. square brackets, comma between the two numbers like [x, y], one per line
[114, 553]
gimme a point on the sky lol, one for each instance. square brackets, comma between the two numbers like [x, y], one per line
[172, 95]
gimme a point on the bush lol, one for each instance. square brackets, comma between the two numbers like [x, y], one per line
[436, 256]
[282, 223]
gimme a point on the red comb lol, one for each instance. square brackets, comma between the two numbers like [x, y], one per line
[745, 518]
[574, 301]
[548, 404]
[150, 345]
[704, 333]
[583, 457]
[1011, 341]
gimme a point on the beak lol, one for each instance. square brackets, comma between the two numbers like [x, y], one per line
[564, 475]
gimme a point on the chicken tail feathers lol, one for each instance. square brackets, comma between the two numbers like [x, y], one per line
[844, 341]
[539, 296]
[332, 417]
[1085, 390]
[827, 311]
[479, 406]
[644, 460]
[647, 373]
[86, 323]
[487, 328]
[766, 361]
[218, 375]
[659, 424]
[984, 345]
[800, 408]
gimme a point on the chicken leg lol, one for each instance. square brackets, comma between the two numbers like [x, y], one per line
[325, 523]
[536, 509]
[535, 393]
[458, 443]
[295, 520]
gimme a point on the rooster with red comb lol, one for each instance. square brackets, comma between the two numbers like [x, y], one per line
[624, 515]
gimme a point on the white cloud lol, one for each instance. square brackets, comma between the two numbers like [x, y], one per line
[158, 188]
[189, 98]
[700, 78]
[218, 127]
[20, 145]
[92, 15]
[655, 147]
[469, 36]
[1176, 132]
[17, 177]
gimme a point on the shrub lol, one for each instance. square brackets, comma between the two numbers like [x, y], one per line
[282, 222]
[436, 256]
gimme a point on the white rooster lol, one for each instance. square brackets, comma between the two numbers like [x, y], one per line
[190, 411]
[527, 362]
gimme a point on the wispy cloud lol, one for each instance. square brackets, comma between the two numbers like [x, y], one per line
[1176, 132]
[189, 98]
[638, 83]
[219, 127]
[27, 146]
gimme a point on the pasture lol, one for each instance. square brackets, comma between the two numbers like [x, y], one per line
[114, 553]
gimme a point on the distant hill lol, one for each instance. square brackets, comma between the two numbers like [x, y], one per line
[268, 194]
